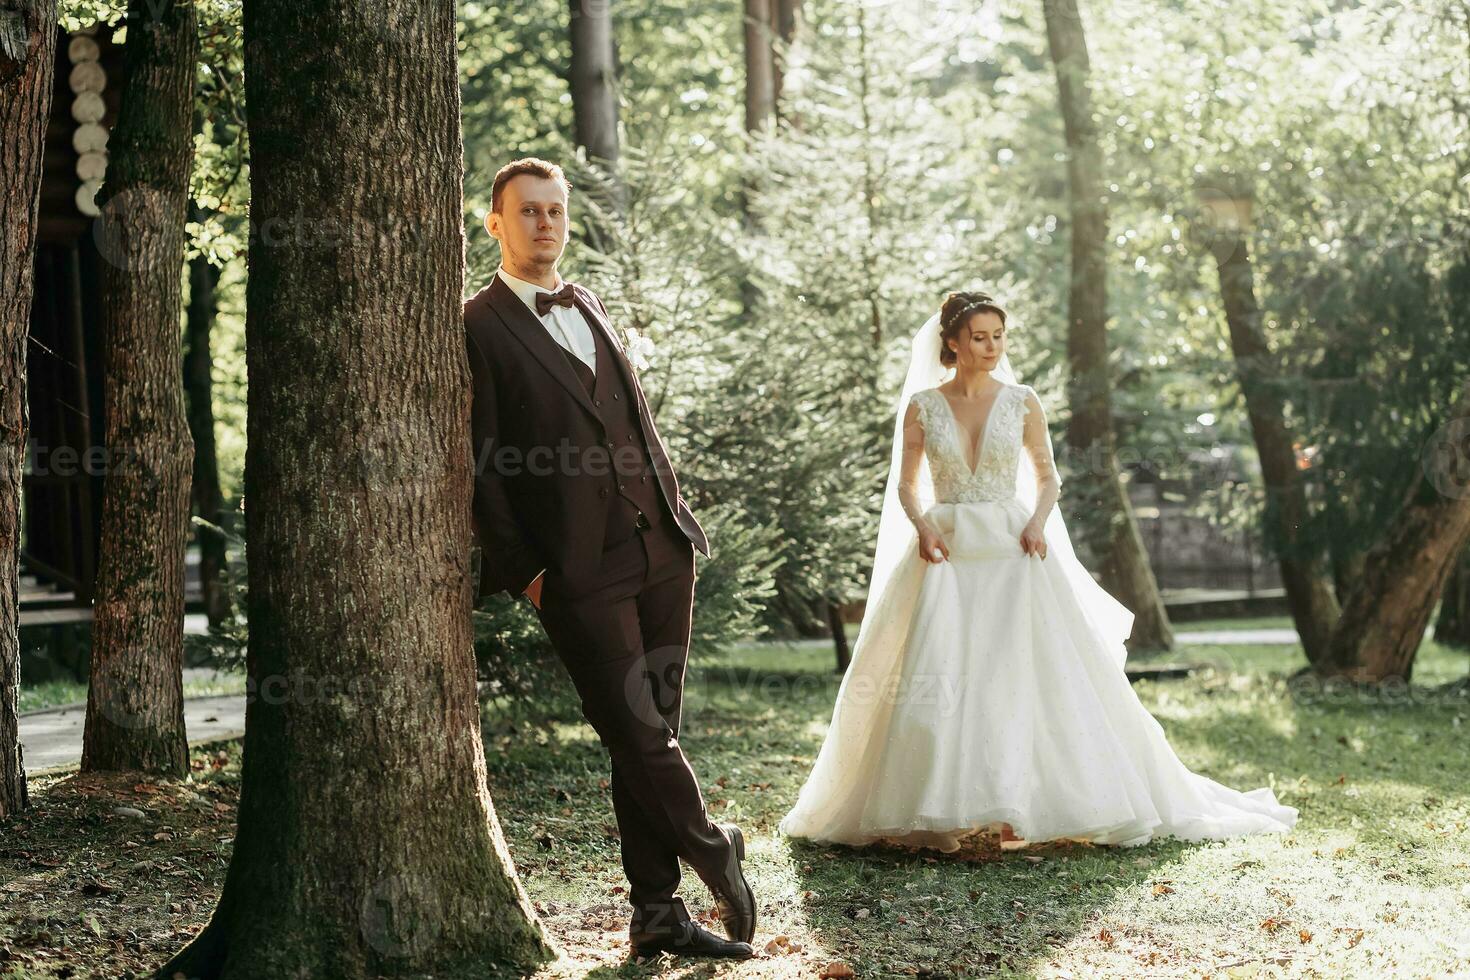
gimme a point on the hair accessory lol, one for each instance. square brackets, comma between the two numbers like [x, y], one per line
[985, 300]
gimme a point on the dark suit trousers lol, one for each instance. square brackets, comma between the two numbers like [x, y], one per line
[625, 642]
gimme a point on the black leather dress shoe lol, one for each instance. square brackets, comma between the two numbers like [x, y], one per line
[689, 939]
[734, 899]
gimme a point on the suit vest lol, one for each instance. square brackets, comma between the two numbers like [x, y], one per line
[632, 484]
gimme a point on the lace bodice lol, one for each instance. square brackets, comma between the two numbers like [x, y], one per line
[994, 476]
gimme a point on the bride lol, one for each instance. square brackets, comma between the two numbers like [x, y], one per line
[986, 690]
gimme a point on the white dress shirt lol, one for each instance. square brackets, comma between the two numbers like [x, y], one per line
[566, 324]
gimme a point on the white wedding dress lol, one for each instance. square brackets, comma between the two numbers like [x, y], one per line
[989, 687]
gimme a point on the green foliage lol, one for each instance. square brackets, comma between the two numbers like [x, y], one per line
[664, 265]
[220, 180]
[921, 150]
[513, 657]
[1343, 127]
[856, 235]
[75, 15]
[225, 645]
[738, 579]
[784, 440]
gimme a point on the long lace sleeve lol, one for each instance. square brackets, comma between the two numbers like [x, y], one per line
[1038, 448]
[908, 474]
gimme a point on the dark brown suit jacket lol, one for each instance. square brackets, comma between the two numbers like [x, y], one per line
[536, 437]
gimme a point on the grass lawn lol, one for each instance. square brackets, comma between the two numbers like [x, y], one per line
[54, 694]
[1238, 623]
[1372, 883]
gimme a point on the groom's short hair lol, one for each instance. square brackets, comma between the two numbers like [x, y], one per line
[534, 166]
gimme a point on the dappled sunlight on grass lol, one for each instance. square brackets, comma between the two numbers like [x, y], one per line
[1371, 879]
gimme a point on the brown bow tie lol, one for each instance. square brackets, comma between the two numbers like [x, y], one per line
[562, 297]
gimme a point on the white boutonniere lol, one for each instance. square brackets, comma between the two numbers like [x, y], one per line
[639, 348]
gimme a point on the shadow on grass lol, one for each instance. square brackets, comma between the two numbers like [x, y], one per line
[754, 723]
[1325, 734]
[891, 911]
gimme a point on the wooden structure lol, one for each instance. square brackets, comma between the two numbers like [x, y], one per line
[62, 485]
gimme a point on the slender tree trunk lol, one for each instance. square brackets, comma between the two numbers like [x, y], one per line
[1452, 628]
[367, 842]
[760, 77]
[595, 105]
[839, 636]
[1383, 620]
[594, 80]
[1112, 528]
[760, 107]
[1306, 576]
[872, 188]
[199, 387]
[135, 701]
[787, 15]
[27, 59]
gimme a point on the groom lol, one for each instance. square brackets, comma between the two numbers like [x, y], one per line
[577, 507]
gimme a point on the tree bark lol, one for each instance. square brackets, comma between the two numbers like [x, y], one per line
[839, 636]
[1306, 577]
[199, 386]
[760, 78]
[27, 60]
[1347, 568]
[760, 107]
[135, 700]
[1111, 529]
[594, 81]
[1384, 618]
[595, 110]
[1452, 628]
[367, 842]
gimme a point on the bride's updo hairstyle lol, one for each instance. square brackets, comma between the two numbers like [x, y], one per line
[956, 312]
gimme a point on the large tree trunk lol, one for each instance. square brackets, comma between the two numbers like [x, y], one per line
[1306, 576]
[1347, 567]
[1452, 628]
[27, 59]
[199, 386]
[1111, 527]
[135, 701]
[367, 842]
[1384, 619]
